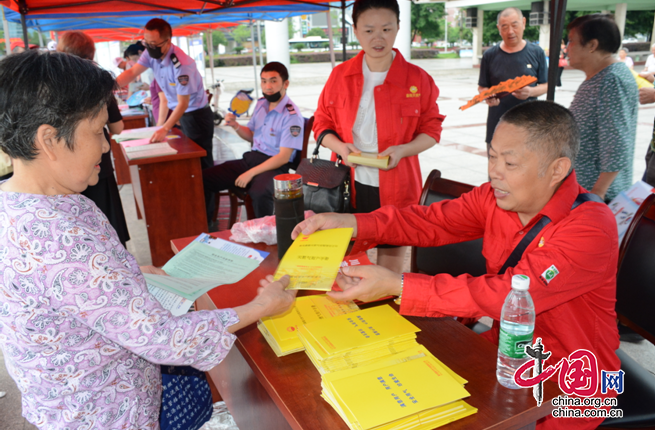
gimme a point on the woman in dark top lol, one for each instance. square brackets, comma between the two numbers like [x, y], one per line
[105, 193]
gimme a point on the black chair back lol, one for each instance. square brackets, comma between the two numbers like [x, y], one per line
[635, 295]
[455, 259]
[307, 131]
[635, 280]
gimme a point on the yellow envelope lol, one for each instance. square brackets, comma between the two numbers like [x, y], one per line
[312, 262]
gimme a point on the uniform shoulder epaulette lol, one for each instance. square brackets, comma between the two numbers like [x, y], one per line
[291, 109]
[175, 61]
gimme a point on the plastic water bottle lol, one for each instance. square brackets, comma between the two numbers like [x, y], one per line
[516, 329]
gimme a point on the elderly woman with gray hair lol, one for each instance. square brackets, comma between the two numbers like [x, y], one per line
[81, 336]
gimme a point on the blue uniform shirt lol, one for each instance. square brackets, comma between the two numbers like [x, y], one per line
[281, 127]
[176, 73]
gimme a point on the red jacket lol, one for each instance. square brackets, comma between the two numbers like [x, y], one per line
[405, 106]
[575, 309]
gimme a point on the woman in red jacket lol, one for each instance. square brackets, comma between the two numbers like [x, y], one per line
[379, 103]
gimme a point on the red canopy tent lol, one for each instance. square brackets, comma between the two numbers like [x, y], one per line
[124, 34]
[121, 7]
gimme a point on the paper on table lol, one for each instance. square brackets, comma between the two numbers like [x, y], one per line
[198, 268]
[312, 262]
[232, 248]
[136, 133]
[178, 305]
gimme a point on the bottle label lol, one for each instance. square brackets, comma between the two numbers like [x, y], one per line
[513, 345]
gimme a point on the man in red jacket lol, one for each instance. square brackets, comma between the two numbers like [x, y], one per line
[571, 262]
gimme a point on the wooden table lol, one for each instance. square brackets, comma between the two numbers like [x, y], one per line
[120, 166]
[169, 194]
[264, 391]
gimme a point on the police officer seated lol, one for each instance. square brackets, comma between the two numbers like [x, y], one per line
[276, 133]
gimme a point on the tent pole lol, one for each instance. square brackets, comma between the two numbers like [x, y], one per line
[210, 46]
[25, 38]
[330, 36]
[5, 28]
[41, 39]
[557, 15]
[259, 44]
[254, 60]
[343, 29]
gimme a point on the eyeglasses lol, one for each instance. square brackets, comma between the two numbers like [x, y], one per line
[152, 45]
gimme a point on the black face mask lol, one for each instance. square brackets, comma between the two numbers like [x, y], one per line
[273, 97]
[155, 52]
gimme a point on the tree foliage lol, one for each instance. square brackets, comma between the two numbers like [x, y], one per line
[316, 31]
[427, 20]
[639, 22]
[218, 38]
[241, 33]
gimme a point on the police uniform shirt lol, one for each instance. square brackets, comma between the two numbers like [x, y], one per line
[281, 127]
[177, 74]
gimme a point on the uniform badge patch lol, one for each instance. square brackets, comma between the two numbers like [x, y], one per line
[294, 130]
[183, 79]
[175, 61]
[549, 274]
[290, 108]
[413, 89]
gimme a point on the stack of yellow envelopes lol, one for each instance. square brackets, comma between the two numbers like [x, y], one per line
[281, 331]
[356, 339]
[409, 390]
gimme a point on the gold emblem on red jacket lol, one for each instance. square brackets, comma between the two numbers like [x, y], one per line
[413, 92]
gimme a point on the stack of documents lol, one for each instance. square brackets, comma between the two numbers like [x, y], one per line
[136, 133]
[135, 152]
[356, 339]
[204, 264]
[409, 390]
[377, 377]
[281, 331]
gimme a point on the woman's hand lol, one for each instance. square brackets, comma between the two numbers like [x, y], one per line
[366, 283]
[152, 270]
[395, 153]
[346, 149]
[325, 222]
[272, 299]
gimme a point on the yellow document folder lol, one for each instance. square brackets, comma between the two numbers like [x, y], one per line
[281, 331]
[377, 397]
[369, 159]
[363, 328]
[312, 262]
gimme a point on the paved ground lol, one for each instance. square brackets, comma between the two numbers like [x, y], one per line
[460, 156]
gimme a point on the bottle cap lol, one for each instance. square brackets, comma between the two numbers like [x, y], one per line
[521, 282]
[287, 185]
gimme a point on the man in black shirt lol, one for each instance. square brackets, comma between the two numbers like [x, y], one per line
[512, 58]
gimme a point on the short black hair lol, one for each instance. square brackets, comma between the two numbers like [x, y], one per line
[134, 49]
[361, 6]
[163, 27]
[51, 88]
[599, 26]
[274, 66]
[552, 129]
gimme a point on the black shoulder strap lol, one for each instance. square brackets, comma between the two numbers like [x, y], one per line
[516, 255]
[586, 197]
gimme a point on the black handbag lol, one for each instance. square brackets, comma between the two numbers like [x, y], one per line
[326, 184]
